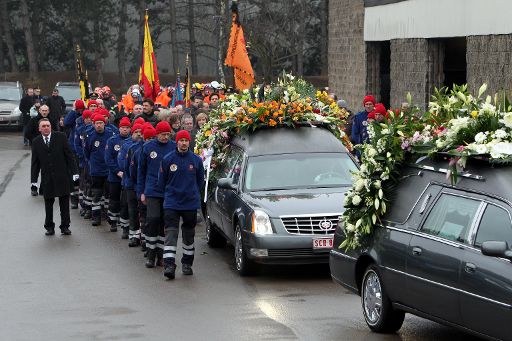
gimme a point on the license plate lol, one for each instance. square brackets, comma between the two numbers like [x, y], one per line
[322, 243]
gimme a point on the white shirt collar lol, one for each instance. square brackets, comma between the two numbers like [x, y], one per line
[49, 137]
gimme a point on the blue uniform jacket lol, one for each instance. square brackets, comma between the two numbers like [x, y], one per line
[79, 140]
[134, 156]
[149, 165]
[70, 123]
[359, 132]
[113, 147]
[123, 162]
[94, 151]
[182, 176]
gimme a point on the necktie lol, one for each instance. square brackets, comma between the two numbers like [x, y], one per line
[46, 141]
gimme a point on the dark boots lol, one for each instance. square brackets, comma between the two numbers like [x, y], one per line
[134, 242]
[125, 232]
[170, 270]
[150, 263]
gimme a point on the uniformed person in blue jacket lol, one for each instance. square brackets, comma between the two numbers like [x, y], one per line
[151, 195]
[85, 180]
[94, 152]
[181, 176]
[115, 174]
[129, 214]
[135, 152]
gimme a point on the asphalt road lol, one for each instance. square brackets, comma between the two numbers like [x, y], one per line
[91, 286]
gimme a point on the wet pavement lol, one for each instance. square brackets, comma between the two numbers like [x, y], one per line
[91, 286]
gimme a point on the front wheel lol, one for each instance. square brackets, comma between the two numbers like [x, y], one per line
[244, 265]
[377, 309]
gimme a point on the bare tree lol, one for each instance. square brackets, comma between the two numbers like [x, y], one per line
[174, 40]
[121, 44]
[29, 42]
[192, 37]
[8, 35]
[301, 4]
[220, 9]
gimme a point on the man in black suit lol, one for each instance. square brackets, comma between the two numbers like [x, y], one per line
[52, 155]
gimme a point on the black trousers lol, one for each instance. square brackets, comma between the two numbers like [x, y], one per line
[188, 231]
[97, 190]
[133, 214]
[114, 206]
[155, 223]
[64, 212]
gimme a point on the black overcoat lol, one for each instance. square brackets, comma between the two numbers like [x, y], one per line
[56, 163]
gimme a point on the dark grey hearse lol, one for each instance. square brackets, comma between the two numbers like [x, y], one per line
[279, 196]
[443, 253]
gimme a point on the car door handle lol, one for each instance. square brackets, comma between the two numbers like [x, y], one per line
[469, 268]
[416, 251]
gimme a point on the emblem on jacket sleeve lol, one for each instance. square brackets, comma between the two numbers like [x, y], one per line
[117, 147]
[191, 167]
[153, 154]
[173, 167]
[96, 144]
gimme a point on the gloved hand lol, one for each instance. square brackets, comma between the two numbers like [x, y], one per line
[76, 177]
[33, 190]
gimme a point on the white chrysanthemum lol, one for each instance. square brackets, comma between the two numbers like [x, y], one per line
[371, 152]
[481, 137]
[356, 200]
[481, 149]
[500, 134]
[385, 131]
[359, 185]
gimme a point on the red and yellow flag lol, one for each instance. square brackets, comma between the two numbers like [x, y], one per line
[236, 56]
[148, 76]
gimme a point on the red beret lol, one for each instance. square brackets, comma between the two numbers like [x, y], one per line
[368, 98]
[149, 132]
[91, 102]
[99, 117]
[125, 122]
[137, 126]
[182, 134]
[380, 109]
[139, 120]
[86, 114]
[163, 127]
[79, 104]
[371, 116]
[102, 111]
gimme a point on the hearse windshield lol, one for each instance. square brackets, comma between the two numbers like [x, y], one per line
[299, 170]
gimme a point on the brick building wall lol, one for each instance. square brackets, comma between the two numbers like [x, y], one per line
[347, 51]
[489, 60]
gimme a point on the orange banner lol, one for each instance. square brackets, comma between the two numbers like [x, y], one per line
[237, 57]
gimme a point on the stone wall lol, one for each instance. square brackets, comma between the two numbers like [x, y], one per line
[347, 51]
[489, 60]
[409, 71]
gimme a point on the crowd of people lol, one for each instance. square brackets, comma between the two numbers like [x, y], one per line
[135, 168]
[133, 164]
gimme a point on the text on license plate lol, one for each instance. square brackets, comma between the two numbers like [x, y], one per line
[322, 243]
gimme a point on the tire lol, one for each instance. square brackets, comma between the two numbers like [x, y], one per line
[213, 237]
[243, 265]
[377, 309]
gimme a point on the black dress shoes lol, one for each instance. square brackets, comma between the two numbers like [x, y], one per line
[65, 231]
[33, 191]
[49, 232]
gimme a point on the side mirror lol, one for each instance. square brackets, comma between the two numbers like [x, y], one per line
[496, 249]
[226, 183]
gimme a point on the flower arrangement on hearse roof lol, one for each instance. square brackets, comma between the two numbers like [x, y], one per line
[457, 124]
[291, 102]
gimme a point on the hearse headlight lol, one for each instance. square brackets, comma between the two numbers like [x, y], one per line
[261, 223]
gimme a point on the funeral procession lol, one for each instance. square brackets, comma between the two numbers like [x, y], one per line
[256, 170]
